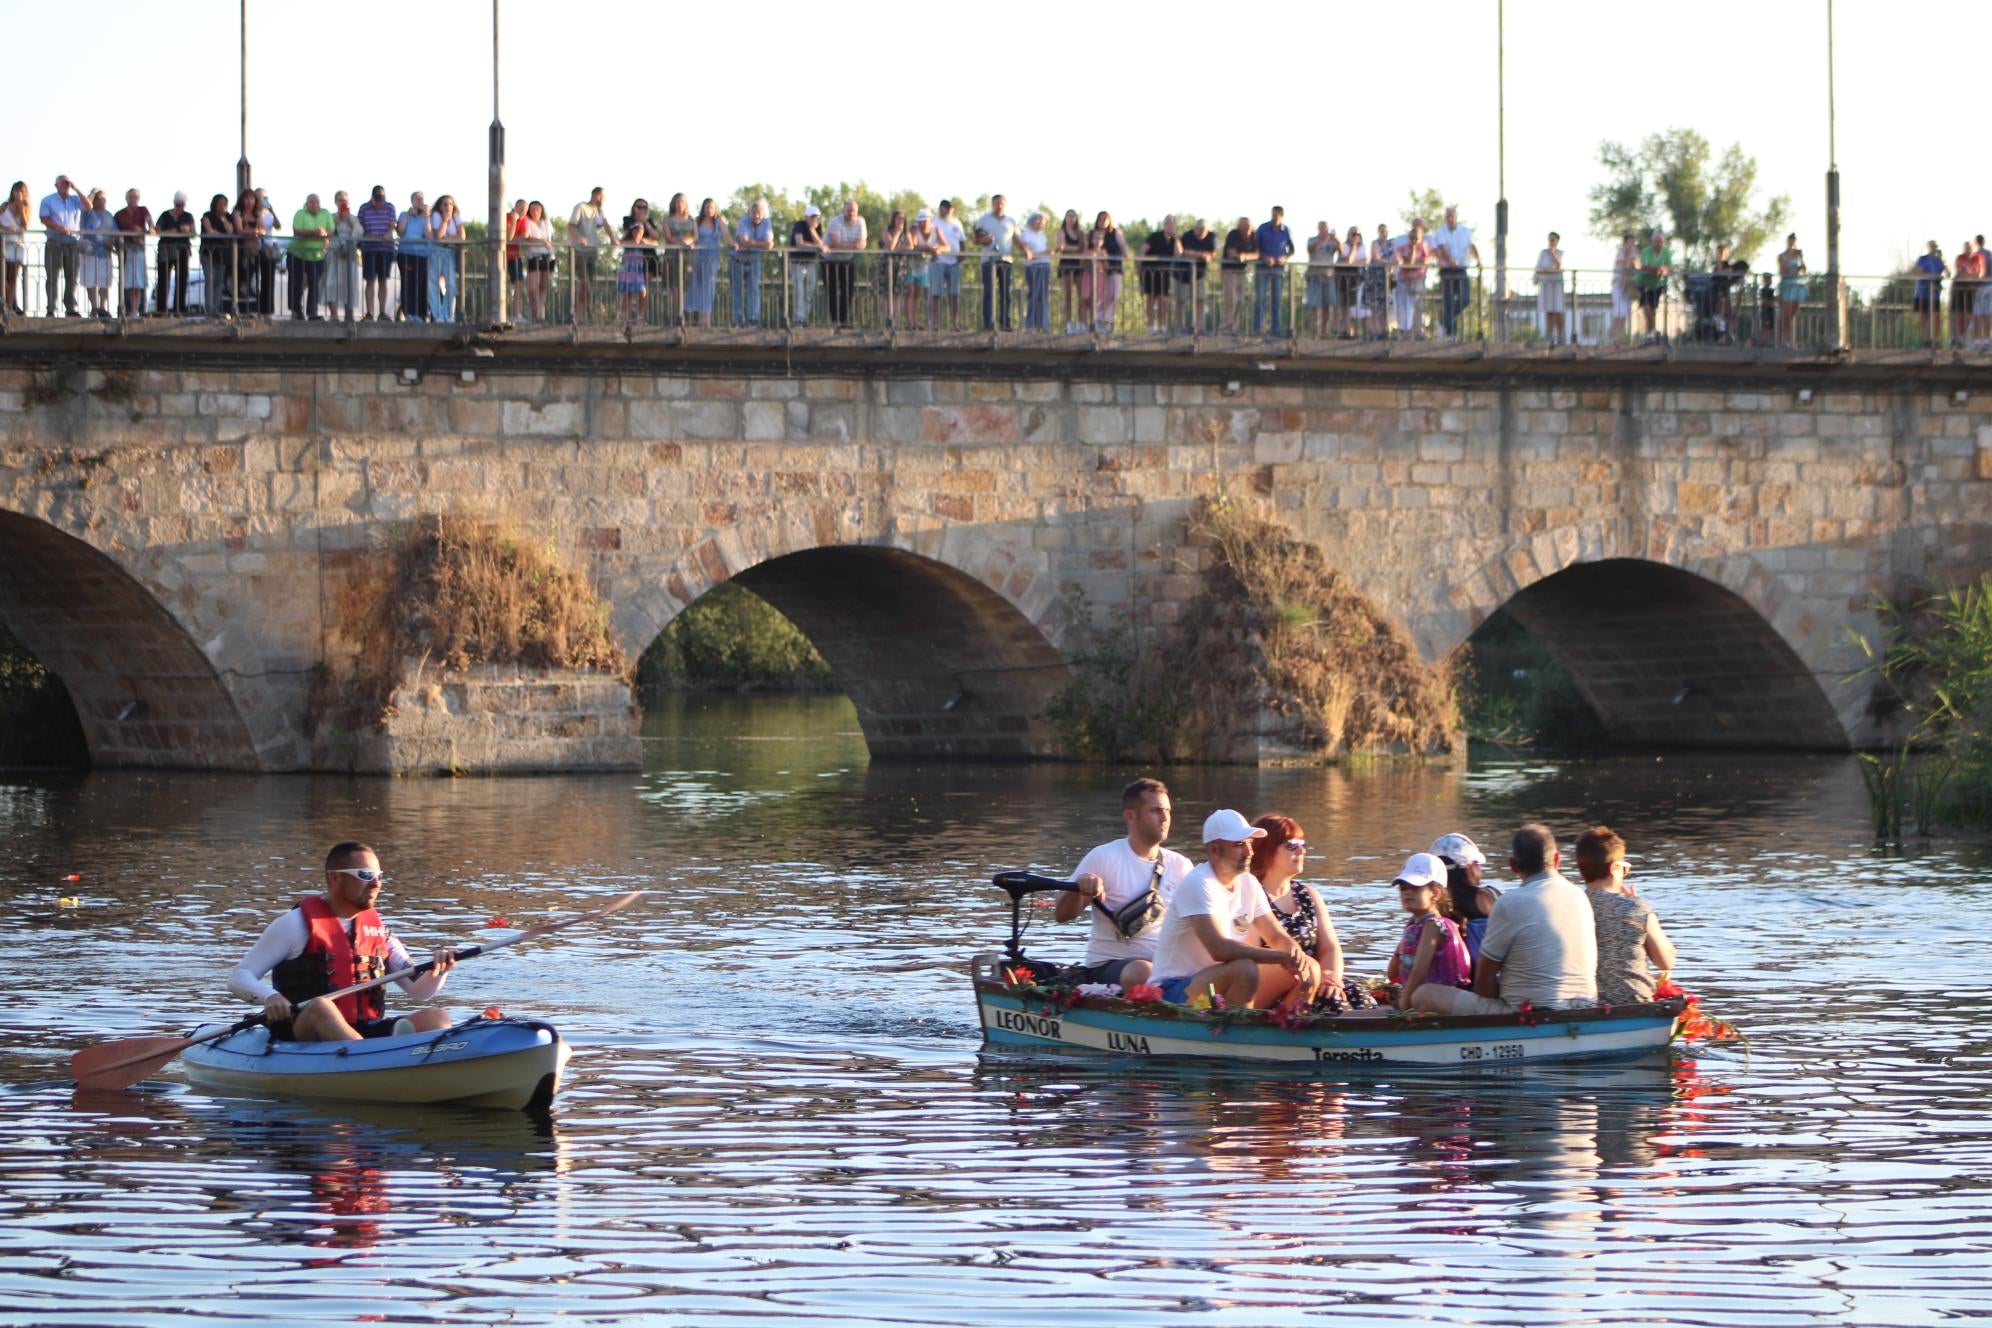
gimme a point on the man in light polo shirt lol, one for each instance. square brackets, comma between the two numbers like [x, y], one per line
[1112, 877]
[996, 232]
[1452, 244]
[592, 237]
[62, 218]
[1219, 929]
[947, 265]
[1541, 947]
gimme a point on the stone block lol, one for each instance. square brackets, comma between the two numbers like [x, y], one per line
[539, 419]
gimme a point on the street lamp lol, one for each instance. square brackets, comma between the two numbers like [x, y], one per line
[1836, 289]
[496, 239]
[1501, 157]
[242, 163]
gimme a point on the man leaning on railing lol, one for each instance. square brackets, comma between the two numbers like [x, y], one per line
[62, 218]
[176, 229]
[1452, 245]
[589, 234]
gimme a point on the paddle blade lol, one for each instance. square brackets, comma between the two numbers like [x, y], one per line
[118, 1065]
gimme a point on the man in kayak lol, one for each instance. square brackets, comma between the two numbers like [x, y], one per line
[1541, 947]
[331, 941]
[1124, 886]
[1219, 928]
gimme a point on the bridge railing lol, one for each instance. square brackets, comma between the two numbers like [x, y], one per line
[901, 295]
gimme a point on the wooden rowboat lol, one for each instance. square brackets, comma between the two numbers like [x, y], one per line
[1027, 1015]
[505, 1063]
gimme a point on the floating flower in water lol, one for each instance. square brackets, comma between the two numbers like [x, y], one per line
[73, 876]
[69, 901]
[497, 922]
[1144, 991]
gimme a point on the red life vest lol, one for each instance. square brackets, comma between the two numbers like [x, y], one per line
[330, 961]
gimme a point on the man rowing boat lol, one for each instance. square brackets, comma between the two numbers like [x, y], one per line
[331, 941]
[1127, 883]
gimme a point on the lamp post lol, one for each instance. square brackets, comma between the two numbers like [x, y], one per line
[496, 239]
[1836, 288]
[1501, 158]
[242, 162]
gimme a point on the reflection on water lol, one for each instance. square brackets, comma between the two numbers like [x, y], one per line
[779, 1109]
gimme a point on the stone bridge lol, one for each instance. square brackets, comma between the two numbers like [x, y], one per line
[1692, 538]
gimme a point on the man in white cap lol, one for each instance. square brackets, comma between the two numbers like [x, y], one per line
[176, 230]
[1125, 886]
[1219, 931]
[806, 250]
[1541, 947]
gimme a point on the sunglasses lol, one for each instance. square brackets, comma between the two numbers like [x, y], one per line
[1297, 845]
[365, 875]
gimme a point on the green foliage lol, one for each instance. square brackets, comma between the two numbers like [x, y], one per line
[1516, 692]
[1429, 204]
[875, 207]
[732, 640]
[1122, 701]
[38, 724]
[1672, 182]
[1934, 671]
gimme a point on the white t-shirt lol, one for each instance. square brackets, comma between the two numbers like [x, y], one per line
[951, 228]
[285, 939]
[1002, 233]
[1126, 875]
[1545, 938]
[1178, 952]
[585, 227]
[1036, 243]
[1454, 240]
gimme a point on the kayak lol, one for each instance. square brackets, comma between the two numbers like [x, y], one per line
[508, 1063]
[1028, 1016]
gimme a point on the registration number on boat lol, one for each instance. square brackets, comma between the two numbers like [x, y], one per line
[1504, 1051]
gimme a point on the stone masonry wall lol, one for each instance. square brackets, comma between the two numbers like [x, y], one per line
[241, 500]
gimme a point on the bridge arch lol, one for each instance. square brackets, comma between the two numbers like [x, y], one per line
[937, 660]
[1669, 645]
[144, 692]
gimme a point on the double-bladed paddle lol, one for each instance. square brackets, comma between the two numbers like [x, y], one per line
[111, 1066]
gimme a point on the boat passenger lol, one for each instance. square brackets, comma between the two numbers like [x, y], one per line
[1430, 952]
[331, 941]
[1277, 860]
[1631, 945]
[1472, 902]
[1219, 930]
[1541, 949]
[1127, 883]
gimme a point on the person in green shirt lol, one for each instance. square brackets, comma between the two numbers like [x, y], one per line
[310, 229]
[1656, 264]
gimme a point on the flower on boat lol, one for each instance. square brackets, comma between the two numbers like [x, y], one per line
[1098, 989]
[1018, 977]
[1143, 991]
[1207, 999]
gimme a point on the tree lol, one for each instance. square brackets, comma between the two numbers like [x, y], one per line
[1671, 182]
[1430, 206]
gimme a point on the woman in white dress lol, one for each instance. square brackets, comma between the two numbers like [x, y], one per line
[342, 272]
[1625, 271]
[98, 264]
[1549, 289]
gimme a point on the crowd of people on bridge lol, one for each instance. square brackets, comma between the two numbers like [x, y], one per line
[1241, 929]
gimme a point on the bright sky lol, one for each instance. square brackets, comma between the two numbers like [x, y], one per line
[1139, 109]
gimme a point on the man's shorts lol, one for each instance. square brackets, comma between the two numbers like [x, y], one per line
[1107, 970]
[584, 265]
[376, 264]
[947, 279]
[366, 1028]
[1649, 297]
[1176, 991]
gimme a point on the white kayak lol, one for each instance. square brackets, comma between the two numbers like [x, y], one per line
[508, 1063]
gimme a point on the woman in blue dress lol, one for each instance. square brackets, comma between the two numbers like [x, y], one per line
[98, 264]
[709, 238]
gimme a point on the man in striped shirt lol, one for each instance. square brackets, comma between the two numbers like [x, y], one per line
[377, 217]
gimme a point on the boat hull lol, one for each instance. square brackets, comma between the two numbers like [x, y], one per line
[502, 1063]
[1139, 1030]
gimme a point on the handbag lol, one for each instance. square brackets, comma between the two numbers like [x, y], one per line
[1137, 915]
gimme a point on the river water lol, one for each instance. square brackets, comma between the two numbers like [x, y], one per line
[778, 1110]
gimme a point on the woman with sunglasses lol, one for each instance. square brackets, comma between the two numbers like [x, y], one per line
[331, 941]
[1277, 860]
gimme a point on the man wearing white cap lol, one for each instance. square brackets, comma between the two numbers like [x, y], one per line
[806, 250]
[1208, 934]
[1541, 947]
[1125, 886]
[176, 229]
[928, 244]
